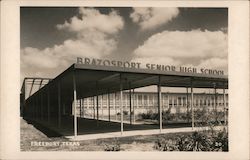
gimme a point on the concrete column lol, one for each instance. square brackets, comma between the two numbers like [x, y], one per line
[162, 98]
[80, 107]
[142, 100]
[159, 103]
[215, 103]
[224, 105]
[108, 101]
[137, 101]
[97, 107]
[83, 109]
[130, 107]
[101, 105]
[75, 99]
[94, 104]
[182, 102]
[133, 95]
[173, 98]
[187, 106]
[168, 99]
[121, 105]
[148, 105]
[192, 104]
[153, 100]
[115, 107]
[177, 104]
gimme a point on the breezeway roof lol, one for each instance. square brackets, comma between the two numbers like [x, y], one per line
[97, 80]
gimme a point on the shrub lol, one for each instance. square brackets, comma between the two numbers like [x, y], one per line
[221, 141]
[149, 115]
[114, 146]
[125, 112]
[197, 141]
[165, 145]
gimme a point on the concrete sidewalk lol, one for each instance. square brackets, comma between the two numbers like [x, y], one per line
[138, 133]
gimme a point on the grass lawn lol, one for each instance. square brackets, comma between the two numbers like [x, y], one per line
[29, 135]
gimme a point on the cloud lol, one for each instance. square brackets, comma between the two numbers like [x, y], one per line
[95, 37]
[216, 63]
[93, 20]
[187, 48]
[149, 18]
[157, 60]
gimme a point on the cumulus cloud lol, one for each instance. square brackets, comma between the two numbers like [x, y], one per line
[91, 19]
[216, 63]
[149, 17]
[186, 48]
[95, 37]
[158, 60]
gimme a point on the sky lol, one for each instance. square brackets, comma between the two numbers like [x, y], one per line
[52, 38]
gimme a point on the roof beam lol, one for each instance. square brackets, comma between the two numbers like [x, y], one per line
[31, 87]
[109, 77]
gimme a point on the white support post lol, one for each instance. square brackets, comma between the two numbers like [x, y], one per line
[148, 101]
[187, 106]
[75, 98]
[215, 102]
[102, 105]
[177, 104]
[133, 105]
[108, 101]
[115, 106]
[83, 110]
[130, 106]
[224, 104]
[192, 104]
[94, 107]
[153, 100]
[97, 107]
[137, 99]
[159, 103]
[168, 100]
[121, 105]
[80, 107]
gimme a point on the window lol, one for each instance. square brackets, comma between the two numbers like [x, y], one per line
[145, 99]
[196, 102]
[175, 102]
[140, 99]
[179, 100]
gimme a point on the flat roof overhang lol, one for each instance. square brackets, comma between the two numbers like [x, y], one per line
[97, 80]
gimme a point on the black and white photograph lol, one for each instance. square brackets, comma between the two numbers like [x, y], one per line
[124, 80]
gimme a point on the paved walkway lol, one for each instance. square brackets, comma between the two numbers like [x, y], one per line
[138, 133]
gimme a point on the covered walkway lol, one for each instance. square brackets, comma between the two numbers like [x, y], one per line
[52, 103]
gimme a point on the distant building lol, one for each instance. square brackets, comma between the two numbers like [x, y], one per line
[143, 102]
